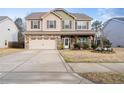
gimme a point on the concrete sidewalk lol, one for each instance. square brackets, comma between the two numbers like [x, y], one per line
[97, 67]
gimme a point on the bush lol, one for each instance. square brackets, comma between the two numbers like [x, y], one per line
[61, 46]
[85, 46]
[106, 43]
[94, 45]
[16, 44]
[77, 46]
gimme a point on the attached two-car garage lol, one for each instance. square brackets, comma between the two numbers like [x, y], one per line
[41, 43]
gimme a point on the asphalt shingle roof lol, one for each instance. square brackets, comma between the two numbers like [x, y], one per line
[119, 18]
[3, 17]
[37, 15]
[79, 16]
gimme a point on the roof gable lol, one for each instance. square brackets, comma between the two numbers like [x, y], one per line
[117, 19]
[45, 15]
[61, 9]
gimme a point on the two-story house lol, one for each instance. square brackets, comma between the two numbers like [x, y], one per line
[51, 30]
[8, 32]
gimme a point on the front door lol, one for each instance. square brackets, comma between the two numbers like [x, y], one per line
[66, 42]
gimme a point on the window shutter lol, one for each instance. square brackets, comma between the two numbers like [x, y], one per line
[31, 24]
[75, 25]
[62, 24]
[54, 23]
[47, 24]
[38, 24]
[87, 25]
[70, 24]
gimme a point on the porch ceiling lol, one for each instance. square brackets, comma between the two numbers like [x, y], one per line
[87, 32]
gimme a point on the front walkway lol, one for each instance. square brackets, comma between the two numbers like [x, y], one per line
[97, 67]
[37, 66]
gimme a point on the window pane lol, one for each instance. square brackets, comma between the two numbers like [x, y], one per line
[51, 24]
[81, 25]
[66, 24]
[35, 24]
[83, 40]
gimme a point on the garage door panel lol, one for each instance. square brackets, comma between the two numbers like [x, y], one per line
[42, 44]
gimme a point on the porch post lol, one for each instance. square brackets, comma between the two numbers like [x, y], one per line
[27, 41]
[59, 42]
[94, 39]
[71, 42]
[90, 39]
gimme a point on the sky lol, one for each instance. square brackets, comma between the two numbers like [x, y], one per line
[101, 14]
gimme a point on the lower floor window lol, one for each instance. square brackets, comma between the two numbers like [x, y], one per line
[83, 40]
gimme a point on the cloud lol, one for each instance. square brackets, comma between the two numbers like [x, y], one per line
[107, 13]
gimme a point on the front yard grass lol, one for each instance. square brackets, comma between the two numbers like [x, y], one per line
[104, 77]
[6, 51]
[88, 56]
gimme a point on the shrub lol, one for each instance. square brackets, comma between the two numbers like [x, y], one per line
[77, 45]
[85, 46]
[106, 43]
[94, 45]
[62, 46]
[16, 44]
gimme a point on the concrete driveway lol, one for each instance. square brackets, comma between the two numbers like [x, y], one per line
[37, 66]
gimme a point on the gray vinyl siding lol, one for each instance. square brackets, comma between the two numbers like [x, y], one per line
[114, 31]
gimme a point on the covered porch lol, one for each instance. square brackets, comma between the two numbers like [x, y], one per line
[69, 41]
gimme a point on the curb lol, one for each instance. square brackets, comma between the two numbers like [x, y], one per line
[69, 69]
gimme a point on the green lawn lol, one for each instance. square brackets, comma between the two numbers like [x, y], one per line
[104, 77]
[88, 56]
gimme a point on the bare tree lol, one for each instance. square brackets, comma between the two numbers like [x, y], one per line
[97, 28]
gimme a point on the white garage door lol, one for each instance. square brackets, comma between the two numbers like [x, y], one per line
[42, 44]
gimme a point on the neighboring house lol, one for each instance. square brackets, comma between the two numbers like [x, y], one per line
[113, 30]
[56, 28]
[8, 31]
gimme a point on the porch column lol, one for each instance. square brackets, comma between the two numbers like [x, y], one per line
[90, 40]
[59, 42]
[27, 41]
[73, 40]
[94, 39]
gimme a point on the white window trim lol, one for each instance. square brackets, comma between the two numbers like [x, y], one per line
[67, 23]
[83, 41]
[49, 23]
[81, 23]
[35, 23]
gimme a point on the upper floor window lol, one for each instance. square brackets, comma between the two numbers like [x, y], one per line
[82, 25]
[35, 24]
[66, 24]
[51, 24]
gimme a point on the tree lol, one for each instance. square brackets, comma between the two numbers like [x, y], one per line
[97, 28]
[20, 25]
